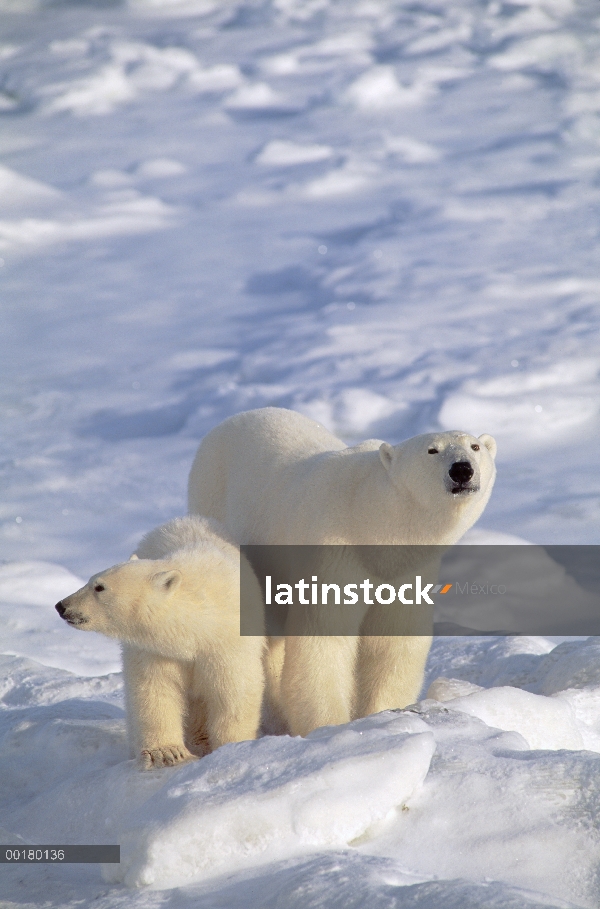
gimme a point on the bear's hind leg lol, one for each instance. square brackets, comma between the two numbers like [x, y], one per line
[274, 720]
[231, 682]
[196, 735]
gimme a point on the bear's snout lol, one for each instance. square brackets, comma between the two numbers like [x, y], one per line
[71, 618]
[461, 472]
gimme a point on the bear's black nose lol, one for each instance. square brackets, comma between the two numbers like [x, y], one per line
[60, 608]
[461, 472]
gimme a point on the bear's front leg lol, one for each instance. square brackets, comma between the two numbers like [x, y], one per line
[317, 683]
[156, 692]
[390, 672]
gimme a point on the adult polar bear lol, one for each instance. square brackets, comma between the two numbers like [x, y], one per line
[273, 476]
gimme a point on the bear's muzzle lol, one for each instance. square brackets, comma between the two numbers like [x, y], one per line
[72, 618]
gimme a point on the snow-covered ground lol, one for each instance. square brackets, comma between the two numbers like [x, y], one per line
[383, 214]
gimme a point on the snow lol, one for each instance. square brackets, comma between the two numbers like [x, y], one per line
[489, 786]
[30, 629]
[543, 722]
[384, 215]
[280, 152]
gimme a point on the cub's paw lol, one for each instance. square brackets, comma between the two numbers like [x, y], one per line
[165, 756]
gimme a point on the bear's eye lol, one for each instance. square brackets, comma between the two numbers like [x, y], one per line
[99, 588]
[432, 451]
[475, 447]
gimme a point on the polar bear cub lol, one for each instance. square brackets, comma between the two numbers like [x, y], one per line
[273, 476]
[192, 683]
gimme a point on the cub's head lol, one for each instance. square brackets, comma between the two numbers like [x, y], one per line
[446, 472]
[123, 600]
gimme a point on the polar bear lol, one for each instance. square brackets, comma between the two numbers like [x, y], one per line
[273, 476]
[192, 683]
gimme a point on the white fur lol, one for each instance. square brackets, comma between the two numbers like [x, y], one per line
[192, 683]
[273, 476]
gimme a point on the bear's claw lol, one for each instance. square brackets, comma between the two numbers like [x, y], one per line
[165, 756]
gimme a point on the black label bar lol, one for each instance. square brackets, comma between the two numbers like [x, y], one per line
[59, 855]
[420, 590]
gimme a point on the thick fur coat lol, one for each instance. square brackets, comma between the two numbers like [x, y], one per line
[191, 682]
[273, 476]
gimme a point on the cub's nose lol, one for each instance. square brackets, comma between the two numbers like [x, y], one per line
[461, 472]
[60, 609]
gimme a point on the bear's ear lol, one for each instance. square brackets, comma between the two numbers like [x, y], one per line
[167, 581]
[134, 557]
[490, 443]
[386, 454]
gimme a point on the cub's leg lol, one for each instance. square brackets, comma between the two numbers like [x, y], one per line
[273, 712]
[196, 734]
[156, 692]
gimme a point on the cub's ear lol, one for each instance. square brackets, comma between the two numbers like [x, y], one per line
[490, 443]
[386, 453]
[133, 557]
[167, 581]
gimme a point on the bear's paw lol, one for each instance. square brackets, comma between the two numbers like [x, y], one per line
[165, 756]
